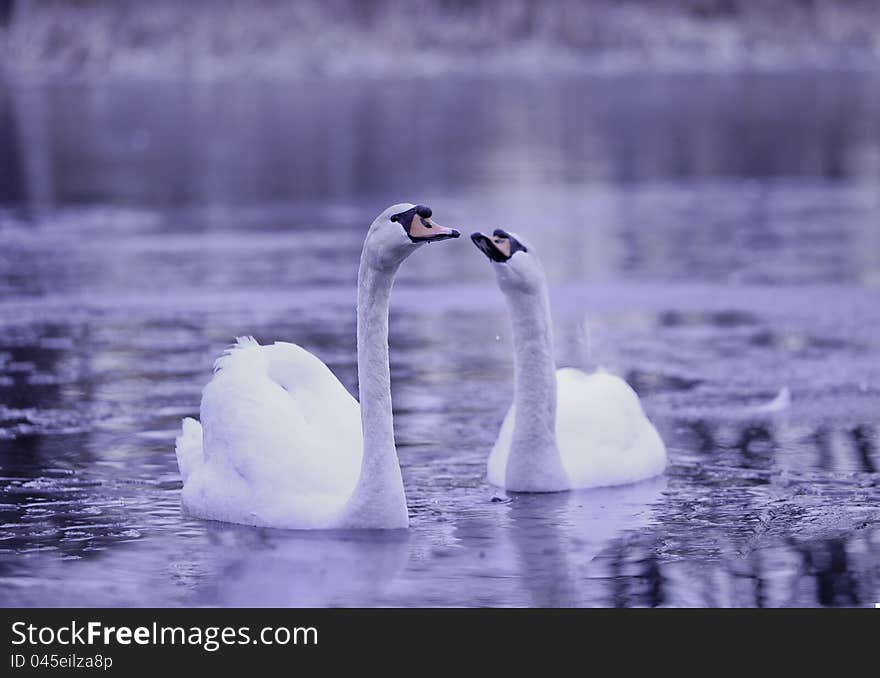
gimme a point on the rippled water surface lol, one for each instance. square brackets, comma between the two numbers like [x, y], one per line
[713, 239]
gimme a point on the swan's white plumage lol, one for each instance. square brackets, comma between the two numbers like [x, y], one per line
[566, 430]
[282, 443]
[281, 437]
[189, 447]
[602, 433]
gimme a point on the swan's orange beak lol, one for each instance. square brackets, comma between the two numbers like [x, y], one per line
[428, 230]
[421, 228]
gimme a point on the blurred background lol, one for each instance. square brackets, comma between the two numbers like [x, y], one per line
[701, 179]
[210, 39]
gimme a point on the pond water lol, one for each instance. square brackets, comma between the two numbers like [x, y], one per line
[715, 239]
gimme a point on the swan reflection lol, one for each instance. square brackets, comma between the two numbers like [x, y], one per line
[302, 569]
[557, 536]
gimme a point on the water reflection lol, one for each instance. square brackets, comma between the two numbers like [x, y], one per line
[248, 143]
[774, 444]
[835, 583]
[557, 536]
[299, 570]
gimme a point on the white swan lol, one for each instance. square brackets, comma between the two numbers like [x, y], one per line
[566, 429]
[281, 442]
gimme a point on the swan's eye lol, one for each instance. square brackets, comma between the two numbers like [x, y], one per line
[394, 218]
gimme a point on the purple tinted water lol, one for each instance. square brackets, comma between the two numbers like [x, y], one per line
[713, 239]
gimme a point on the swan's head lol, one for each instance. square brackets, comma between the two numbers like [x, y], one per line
[400, 230]
[516, 267]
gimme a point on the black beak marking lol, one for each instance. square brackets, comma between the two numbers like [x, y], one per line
[440, 236]
[486, 246]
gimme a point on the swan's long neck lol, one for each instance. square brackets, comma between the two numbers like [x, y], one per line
[534, 464]
[378, 499]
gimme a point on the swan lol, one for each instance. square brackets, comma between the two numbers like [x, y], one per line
[566, 429]
[281, 443]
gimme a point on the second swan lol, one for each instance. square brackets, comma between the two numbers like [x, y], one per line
[566, 429]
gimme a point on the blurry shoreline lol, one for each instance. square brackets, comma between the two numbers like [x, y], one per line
[60, 40]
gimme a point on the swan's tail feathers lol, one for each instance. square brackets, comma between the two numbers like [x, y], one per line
[242, 346]
[189, 447]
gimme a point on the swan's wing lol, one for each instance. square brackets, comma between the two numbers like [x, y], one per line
[603, 435]
[277, 417]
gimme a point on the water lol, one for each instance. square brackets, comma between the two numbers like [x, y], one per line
[712, 238]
